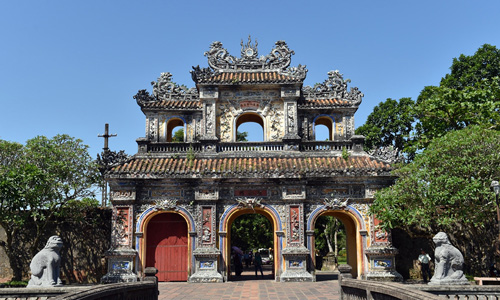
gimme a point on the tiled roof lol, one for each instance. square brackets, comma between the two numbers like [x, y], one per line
[249, 78]
[320, 103]
[250, 167]
[173, 104]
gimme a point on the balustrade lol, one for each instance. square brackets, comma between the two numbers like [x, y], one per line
[309, 146]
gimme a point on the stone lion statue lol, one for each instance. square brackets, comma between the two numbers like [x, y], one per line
[46, 265]
[448, 262]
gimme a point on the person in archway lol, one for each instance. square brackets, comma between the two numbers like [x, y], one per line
[424, 259]
[248, 258]
[257, 261]
[238, 265]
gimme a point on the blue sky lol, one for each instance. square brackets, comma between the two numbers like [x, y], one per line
[71, 66]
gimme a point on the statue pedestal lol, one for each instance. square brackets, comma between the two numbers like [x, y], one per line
[206, 265]
[382, 266]
[120, 266]
[329, 262]
[295, 259]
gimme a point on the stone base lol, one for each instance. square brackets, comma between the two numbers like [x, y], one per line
[206, 266]
[462, 281]
[384, 276]
[120, 266]
[296, 276]
[206, 277]
[117, 277]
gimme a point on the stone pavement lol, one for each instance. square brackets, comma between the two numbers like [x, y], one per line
[247, 287]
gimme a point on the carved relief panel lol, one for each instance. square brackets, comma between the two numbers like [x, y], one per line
[207, 230]
[295, 225]
[122, 227]
[152, 128]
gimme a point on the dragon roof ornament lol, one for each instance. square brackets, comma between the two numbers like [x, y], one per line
[219, 60]
[165, 89]
[334, 87]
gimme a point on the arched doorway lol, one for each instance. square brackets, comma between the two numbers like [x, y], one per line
[167, 246]
[251, 234]
[353, 238]
[226, 245]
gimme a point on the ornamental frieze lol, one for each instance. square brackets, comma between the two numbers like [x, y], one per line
[294, 193]
[249, 202]
[335, 204]
[206, 194]
[122, 195]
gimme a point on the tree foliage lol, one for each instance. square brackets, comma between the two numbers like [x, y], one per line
[447, 188]
[390, 124]
[251, 232]
[178, 136]
[37, 181]
[446, 184]
[469, 95]
[241, 136]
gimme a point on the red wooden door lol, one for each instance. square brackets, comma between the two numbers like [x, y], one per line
[167, 249]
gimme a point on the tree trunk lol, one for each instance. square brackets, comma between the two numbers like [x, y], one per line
[328, 239]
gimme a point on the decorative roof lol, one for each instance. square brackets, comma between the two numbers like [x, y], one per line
[323, 103]
[249, 78]
[166, 91]
[251, 167]
[173, 104]
[274, 64]
[335, 87]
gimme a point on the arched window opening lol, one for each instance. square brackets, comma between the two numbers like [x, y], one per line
[253, 125]
[175, 130]
[323, 129]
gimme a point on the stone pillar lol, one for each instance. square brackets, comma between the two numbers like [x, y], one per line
[206, 255]
[381, 256]
[209, 96]
[290, 95]
[295, 255]
[121, 255]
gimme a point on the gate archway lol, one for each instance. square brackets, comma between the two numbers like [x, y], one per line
[167, 246]
[229, 216]
[354, 240]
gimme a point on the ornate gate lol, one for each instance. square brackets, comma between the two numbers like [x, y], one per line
[209, 177]
[167, 247]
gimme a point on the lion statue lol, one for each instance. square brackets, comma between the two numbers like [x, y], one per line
[448, 262]
[46, 265]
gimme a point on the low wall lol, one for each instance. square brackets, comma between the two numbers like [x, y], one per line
[145, 290]
[354, 289]
[477, 292]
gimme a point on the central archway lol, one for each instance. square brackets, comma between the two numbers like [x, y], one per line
[229, 216]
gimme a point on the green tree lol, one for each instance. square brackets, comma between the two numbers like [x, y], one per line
[469, 95]
[252, 231]
[241, 136]
[178, 136]
[329, 235]
[446, 188]
[466, 70]
[390, 124]
[37, 181]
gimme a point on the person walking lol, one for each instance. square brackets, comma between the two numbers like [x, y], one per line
[424, 259]
[258, 263]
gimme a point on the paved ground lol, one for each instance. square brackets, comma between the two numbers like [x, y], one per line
[247, 287]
